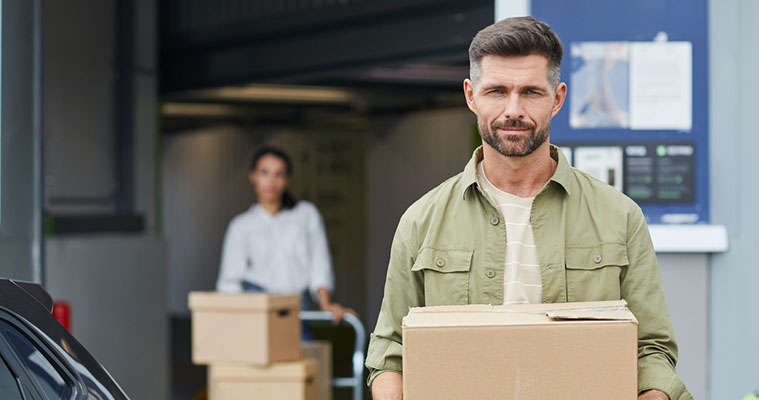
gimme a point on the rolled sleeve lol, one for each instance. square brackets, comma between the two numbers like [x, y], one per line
[654, 372]
[643, 291]
[403, 289]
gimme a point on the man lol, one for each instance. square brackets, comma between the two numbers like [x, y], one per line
[519, 225]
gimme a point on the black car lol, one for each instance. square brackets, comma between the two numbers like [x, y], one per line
[39, 358]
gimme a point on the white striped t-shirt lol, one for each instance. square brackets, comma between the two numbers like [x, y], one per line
[521, 283]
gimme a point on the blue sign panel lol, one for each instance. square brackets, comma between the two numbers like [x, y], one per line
[636, 114]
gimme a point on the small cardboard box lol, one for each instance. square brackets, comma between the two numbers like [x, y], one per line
[252, 328]
[540, 351]
[320, 351]
[279, 381]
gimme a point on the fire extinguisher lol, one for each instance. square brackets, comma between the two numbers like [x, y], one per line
[62, 313]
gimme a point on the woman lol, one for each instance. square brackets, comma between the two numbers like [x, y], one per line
[279, 244]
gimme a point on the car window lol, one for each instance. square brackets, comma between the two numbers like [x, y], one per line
[8, 384]
[39, 369]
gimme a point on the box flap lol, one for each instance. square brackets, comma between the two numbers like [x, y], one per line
[521, 314]
[283, 371]
[241, 301]
[607, 315]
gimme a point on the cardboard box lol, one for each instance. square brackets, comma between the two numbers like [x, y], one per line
[321, 352]
[252, 328]
[541, 351]
[279, 381]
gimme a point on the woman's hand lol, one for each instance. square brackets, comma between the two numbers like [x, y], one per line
[336, 309]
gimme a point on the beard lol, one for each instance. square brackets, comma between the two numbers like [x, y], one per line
[513, 145]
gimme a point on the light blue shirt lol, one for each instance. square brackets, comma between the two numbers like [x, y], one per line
[286, 253]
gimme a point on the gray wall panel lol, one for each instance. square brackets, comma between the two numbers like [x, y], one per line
[79, 105]
[20, 225]
[686, 285]
[734, 303]
[116, 286]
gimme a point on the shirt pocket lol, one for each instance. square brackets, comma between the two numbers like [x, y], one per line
[593, 273]
[446, 275]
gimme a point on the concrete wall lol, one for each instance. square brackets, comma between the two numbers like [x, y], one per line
[116, 288]
[686, 284]
[20, 158]
[733, 278]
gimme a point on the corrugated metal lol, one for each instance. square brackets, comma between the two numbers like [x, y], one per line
[192, 15]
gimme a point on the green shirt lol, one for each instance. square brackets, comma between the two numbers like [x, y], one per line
[593, 245]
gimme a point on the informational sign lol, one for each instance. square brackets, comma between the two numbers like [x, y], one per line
[648, 173]
[661, 85]
[602, 163]
[636, 113]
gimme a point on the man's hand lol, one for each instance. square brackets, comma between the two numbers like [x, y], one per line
[652, 394]
[388, 386]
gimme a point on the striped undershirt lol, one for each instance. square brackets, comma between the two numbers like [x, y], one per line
[521, 283]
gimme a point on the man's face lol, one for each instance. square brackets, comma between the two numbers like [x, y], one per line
[514, 103]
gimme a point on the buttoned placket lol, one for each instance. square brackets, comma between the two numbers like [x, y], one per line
[552, 276]
[496, 255]
[274, 223]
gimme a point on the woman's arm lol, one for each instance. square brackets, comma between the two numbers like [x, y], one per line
[322, 277]
[234, 260]
[320, 262]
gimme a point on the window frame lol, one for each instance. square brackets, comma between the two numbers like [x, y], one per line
[56, 360]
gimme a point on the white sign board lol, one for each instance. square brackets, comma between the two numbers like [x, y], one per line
[661, 91]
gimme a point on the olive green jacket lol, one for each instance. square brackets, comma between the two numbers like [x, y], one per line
[593, 244]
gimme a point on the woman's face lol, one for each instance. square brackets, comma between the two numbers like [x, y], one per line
[269, 178]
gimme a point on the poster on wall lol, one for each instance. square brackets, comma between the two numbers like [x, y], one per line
[599, 82]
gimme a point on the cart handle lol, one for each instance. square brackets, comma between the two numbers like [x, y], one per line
[356, 381]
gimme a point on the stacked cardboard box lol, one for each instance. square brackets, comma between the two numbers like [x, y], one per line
[541, 351]
[251, 342]
[286, 381]
[321, 352]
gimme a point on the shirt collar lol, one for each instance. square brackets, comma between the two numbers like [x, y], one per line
[561, 176]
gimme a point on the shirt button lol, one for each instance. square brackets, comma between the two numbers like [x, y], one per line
[597, 259]
[440, 262]
[490, 273]
[494, 220]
